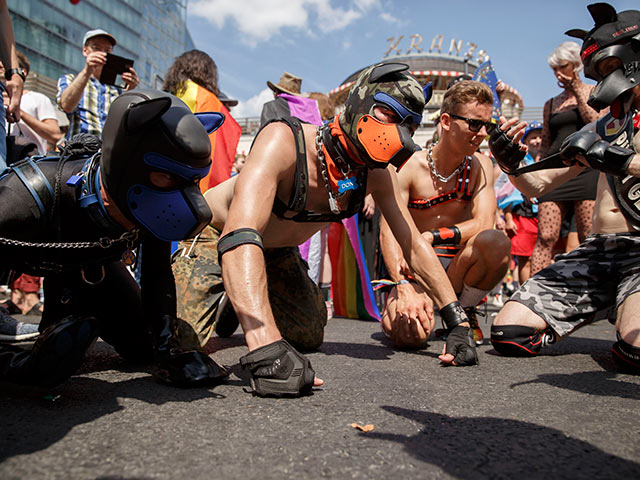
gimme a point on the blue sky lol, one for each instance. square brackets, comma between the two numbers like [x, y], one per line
[325, 41]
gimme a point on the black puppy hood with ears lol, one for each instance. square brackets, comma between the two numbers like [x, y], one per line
[615, 34]
[152, 131]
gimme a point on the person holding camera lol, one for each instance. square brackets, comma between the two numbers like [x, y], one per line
[14, 79]
[83, 97]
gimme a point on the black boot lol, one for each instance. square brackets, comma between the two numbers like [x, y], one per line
[180, 367]
[55, 356]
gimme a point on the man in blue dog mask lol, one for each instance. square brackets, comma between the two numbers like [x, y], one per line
[76, 219]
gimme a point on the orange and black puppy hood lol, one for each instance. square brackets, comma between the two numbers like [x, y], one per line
[387, 85]
[614, 35]
[152, 131]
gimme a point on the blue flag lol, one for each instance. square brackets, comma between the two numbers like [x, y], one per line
[487, 75]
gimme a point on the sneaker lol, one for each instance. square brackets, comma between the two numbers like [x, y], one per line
[478, 337]
[12, 330]
[495, 300]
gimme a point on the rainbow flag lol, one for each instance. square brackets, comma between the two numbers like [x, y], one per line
[351, 287]
[224, 141]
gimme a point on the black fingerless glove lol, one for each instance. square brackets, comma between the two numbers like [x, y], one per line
[279, 370]
[507, 153]
[460, 344]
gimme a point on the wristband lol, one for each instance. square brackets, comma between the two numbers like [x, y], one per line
[446, 235]
[14, 71]
[453, 315]
[404, 281]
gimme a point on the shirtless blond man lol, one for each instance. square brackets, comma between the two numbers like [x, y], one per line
[600, 276]
[449, 191]
[291, 187]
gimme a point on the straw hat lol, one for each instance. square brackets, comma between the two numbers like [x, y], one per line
[288, 84]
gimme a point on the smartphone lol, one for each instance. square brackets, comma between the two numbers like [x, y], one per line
[114, 66]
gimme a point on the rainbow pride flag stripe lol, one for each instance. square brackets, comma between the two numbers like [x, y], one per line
[351, 286]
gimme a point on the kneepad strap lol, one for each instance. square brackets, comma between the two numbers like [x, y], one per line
[519, 341]
[626, 356]
[238, 237]
[278, 369]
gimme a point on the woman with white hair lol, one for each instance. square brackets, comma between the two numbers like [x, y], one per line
[564, 114]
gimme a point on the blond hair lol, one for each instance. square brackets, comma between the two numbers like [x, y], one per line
[465, 92]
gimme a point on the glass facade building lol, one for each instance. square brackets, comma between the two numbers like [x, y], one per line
[50, 33]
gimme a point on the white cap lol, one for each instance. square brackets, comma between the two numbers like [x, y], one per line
[98, 33]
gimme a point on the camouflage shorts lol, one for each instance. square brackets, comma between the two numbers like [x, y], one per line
[297, 303]
[584, 284]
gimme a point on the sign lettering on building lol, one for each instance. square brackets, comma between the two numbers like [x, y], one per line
[455, 47]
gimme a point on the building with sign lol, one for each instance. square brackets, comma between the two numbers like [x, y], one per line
[438, 66]
[50, 32]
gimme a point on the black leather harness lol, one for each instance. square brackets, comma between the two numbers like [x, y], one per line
[298, 198]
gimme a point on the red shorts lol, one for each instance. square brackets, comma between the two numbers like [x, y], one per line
[522, 243]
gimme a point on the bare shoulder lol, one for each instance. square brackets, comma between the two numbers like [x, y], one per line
[483, 161]
[273, 148]
[413, 166]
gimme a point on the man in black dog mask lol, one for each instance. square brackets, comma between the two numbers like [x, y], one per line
[75, 220]
[601, 274]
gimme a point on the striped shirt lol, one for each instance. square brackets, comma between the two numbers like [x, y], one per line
[91, 113]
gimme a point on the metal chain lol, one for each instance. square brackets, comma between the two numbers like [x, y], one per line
[435, 172]
[129, 237]
[333, 203]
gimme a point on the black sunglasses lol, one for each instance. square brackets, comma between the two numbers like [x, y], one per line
[476, 125]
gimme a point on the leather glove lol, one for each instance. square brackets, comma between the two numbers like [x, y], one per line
[460, 344]
[279, 370]
[507, 153]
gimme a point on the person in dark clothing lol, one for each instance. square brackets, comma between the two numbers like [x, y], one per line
[76, 219]
[564, 114]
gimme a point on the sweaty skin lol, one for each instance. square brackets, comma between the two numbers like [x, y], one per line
[607, 218]
[408, 318]
[246, 200]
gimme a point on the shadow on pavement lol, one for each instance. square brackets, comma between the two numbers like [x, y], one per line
[33, 419]
[593, 383]
[487, 447]
[367, 352]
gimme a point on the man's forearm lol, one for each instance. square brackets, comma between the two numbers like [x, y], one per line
[71, 96]
[245, 281]
[429, 273]
[47, 129]
[535, 184]
[7, 47]
[391, 252]
[634, 166]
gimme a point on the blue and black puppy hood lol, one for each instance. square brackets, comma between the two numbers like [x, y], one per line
[152, 131]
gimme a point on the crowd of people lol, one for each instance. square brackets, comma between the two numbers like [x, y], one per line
[99, 212]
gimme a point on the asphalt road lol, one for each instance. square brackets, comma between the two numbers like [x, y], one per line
[565, 414]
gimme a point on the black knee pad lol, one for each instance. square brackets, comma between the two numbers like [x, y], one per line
[278, 370]
[626, 356]
[519, 341]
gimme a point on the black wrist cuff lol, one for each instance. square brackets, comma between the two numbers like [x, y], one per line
[446, 235]
[14, 71]
[453, 315]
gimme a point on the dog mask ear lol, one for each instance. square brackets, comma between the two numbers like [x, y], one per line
[602, 13]
[211, 121]
[142, 114]
[576, 33]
